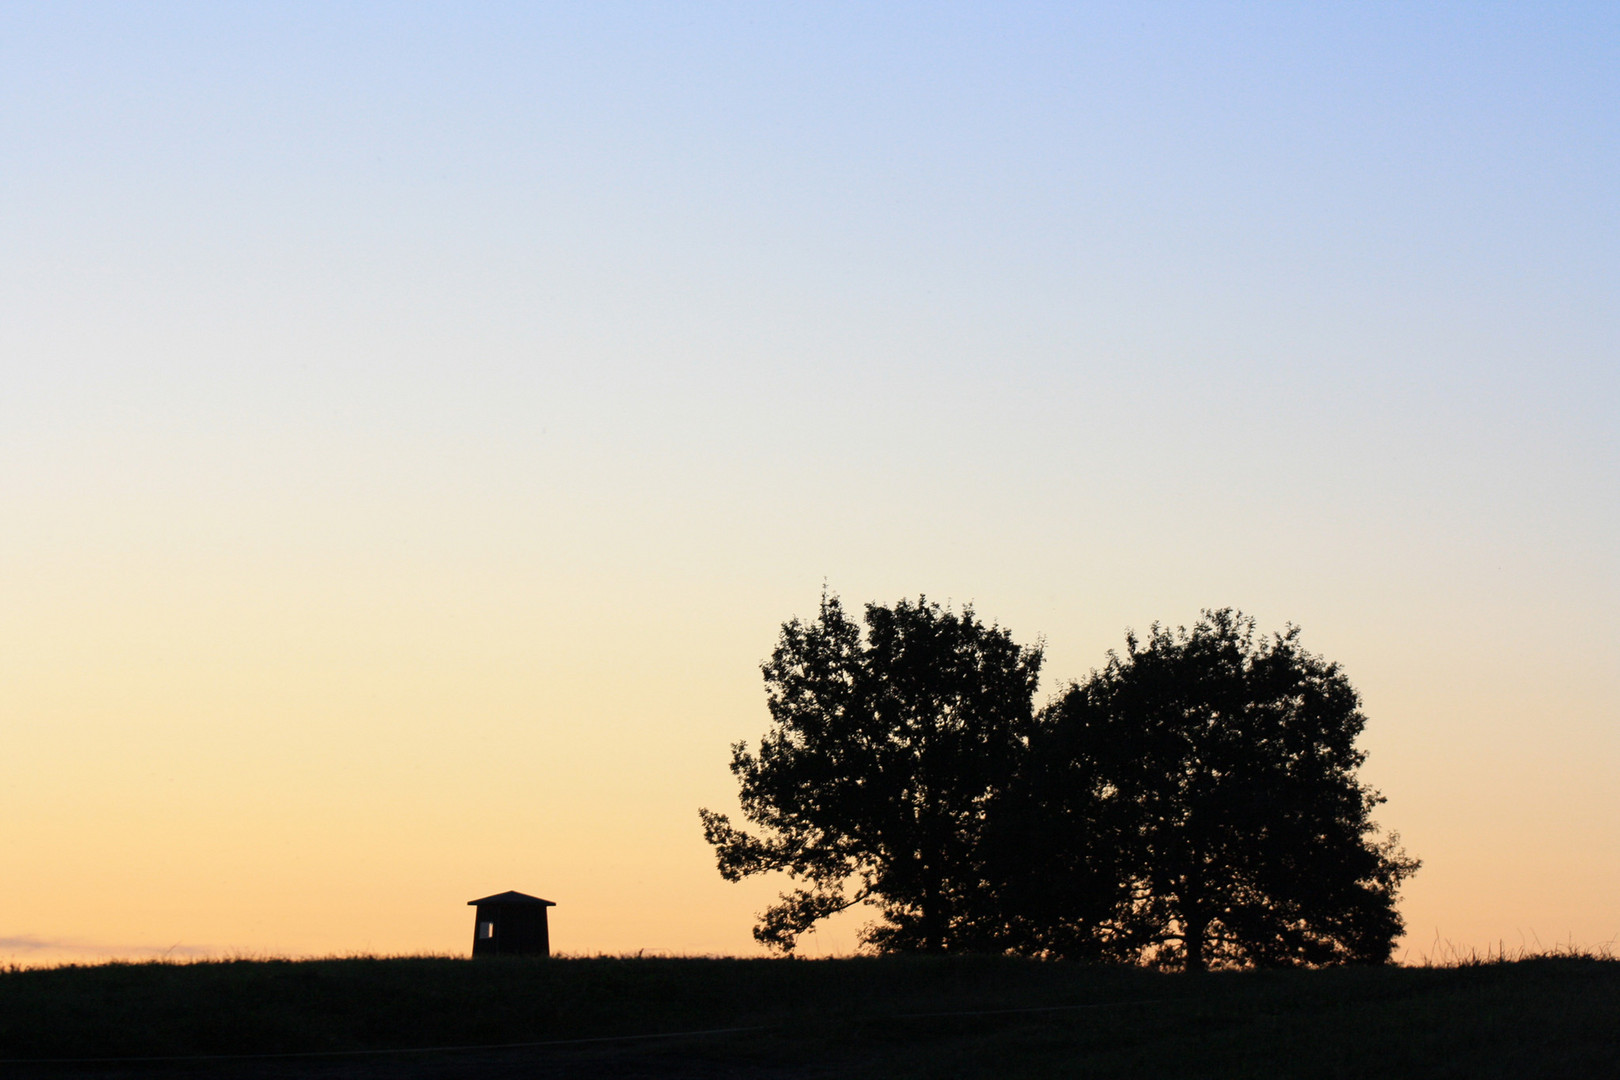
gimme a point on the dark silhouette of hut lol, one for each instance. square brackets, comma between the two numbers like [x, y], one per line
[511, 924]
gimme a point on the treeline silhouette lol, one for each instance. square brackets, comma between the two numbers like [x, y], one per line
[1192, 804]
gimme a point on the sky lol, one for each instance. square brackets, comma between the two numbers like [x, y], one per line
[417, 421]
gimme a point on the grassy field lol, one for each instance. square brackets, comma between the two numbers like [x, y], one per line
[914, 1017]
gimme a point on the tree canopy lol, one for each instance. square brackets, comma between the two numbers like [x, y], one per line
[1209, 777]
[873, 783]
[1192, 804]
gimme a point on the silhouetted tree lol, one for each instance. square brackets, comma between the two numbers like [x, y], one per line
[874, 780]
[1211, 775]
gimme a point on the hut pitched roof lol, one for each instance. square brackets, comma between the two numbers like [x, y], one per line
[510, 897]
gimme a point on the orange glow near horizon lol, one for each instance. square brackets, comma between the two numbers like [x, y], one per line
[312, 767]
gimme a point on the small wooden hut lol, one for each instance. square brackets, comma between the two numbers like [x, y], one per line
[511, 924]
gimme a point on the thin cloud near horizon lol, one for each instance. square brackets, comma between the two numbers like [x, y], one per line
[32, 944]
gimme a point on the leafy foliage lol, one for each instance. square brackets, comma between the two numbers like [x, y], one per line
[1209, 777]
[1193, 804]
[874, 780]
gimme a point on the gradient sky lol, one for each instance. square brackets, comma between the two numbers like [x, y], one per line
[417, 421]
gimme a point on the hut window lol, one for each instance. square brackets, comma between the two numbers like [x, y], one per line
[486, 929]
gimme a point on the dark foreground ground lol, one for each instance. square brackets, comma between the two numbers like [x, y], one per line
[922, 1017]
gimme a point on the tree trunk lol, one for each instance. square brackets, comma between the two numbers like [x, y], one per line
[1192, 940]
[933, 929]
